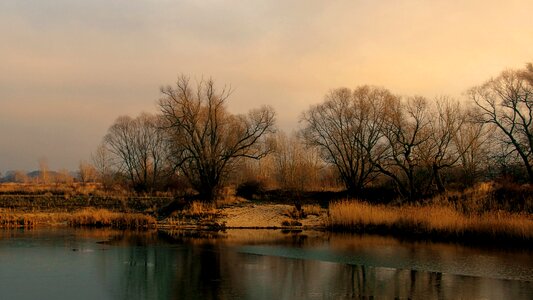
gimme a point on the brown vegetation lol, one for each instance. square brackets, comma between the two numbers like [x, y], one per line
[93, 217]
[312, 209]
[12, 188]
[430, 221]
[195, 214]
[13, 219]
[88, 217]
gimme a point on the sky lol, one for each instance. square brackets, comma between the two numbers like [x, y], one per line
[69, 68]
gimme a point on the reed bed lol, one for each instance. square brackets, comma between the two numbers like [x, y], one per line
[13, 219]
[439, 222]
[88, 217]
[93, 217]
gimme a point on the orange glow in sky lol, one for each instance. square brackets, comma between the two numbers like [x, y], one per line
[69, 68]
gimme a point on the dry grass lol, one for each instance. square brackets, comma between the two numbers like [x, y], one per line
[104, 218]
[89, 217]
[12, 219]
[196, 213]
[312, 209]
[487, 197]
[75, 188]
[294, 213]
[229, 200]
[197, 209]
[431, 221]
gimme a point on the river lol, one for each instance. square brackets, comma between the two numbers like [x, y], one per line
[65, 263]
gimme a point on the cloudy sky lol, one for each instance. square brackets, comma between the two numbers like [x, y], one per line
[69, 68]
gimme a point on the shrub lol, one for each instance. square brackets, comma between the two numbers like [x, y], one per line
[250, 189]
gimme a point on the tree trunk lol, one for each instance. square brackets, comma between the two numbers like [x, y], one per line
[353, 189]
[208, 192]
[529, 172]
[438, 180]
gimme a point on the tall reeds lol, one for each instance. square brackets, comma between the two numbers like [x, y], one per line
[93, 217]
[430, 221]
[14, 219]
[88, 217]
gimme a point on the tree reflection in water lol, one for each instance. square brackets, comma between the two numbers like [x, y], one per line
[185, 266]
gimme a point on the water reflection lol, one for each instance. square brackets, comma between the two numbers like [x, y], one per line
[250, 265]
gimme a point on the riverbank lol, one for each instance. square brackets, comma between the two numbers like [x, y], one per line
[415, 222]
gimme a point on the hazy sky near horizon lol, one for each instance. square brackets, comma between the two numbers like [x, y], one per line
[69, 68]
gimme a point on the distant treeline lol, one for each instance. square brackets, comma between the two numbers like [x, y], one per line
[366, 141]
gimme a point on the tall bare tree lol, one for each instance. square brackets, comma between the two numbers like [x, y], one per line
[473, 145]
[346, 128]
[446, 120]
[206, 140]
[138, 145]
[405, 131]
[507, 102]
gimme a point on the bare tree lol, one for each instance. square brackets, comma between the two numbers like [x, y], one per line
[103, 162]
[405, 131]
[44, 170]
[346, 128]
[139, 149]
[446, 120]
[207, 140]
[527, 74]
[297, 167]
[87, 172]
[63, 176]
[507, 102]
[473, 145]
[21, 176]
[259, 171]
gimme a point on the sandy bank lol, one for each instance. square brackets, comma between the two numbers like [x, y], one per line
[250, 215]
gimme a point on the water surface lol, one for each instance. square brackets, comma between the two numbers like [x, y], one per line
[251, 264]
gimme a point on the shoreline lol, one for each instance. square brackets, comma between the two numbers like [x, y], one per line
[242, 217]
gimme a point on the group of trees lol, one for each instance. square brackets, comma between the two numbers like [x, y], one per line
[506, 103]
[86, 173]
[194, 136]
[368, 134]
[139, 147]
